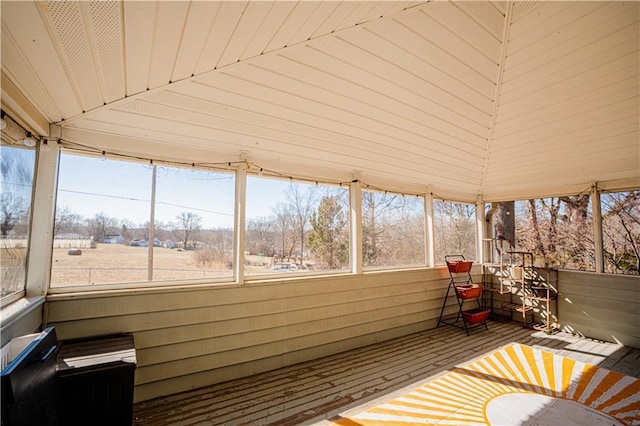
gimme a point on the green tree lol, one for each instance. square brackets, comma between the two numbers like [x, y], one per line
[328, 239]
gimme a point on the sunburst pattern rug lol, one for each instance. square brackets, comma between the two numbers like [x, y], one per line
[515, 385]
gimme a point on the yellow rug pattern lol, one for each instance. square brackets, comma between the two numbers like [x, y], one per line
[517, 384]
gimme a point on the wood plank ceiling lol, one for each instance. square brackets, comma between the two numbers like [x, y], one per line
[499, 99]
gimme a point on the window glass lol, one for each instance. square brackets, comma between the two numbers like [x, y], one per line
[18, 168]
[194, 220]
[558, 231]
[621, 232]
[105, 223]
[393, 231]
[454, 229]
[295, 227]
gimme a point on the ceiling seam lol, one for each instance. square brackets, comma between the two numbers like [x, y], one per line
[159, 103]
[116, 102]
[182, 33]
[503, 55]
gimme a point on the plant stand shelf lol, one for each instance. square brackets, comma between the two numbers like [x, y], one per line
[462, 287]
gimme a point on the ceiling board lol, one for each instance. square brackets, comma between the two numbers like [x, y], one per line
[430, 50]
[76, 45]
[450, 16]
[169, 29]
[33, 41]
[253, 16]
[295, 20]
[31, 85]
[263, 35]
[405, 94]
[138, 43]
[105, 32]
[363, 54]
[197, 28]
[223, 24]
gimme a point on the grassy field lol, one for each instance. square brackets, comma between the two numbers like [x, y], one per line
[115, 263]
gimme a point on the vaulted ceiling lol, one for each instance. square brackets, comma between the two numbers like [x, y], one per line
[499, 99]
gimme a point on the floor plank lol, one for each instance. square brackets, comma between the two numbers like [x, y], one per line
[309, 392]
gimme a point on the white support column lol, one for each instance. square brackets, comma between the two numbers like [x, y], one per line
[480, 231]
[429, 229]
[596, 213]
[240, 212]
[355, 225]
[43, 219]
[152, 224]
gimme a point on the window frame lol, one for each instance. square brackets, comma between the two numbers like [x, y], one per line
[474, 222]
[267, 276]
[7, 141]
[600, 204]
[143, 285]
[425, 237]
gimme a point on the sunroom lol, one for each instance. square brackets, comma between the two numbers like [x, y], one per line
[246, 186]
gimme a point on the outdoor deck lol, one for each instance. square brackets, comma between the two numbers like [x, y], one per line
[310, 392]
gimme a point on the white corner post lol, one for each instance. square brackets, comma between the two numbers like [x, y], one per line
[240, 211]
[43, 219]
[596, 213]
[430, 243]
[355, 225]
[480, 231]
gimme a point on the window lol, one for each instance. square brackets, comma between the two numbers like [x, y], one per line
[194, 219]
[108, 231]
[295, 227]
[558, 231]
[621, 232]
[18, 167]
[454, 229]
[393, 231]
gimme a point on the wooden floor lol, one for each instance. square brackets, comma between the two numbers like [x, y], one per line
[310, 392]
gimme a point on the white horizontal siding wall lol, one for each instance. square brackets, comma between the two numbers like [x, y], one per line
[191, 338]
[605, 307]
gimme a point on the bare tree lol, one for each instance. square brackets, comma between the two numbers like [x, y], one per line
[16, 167]
[101, 225]
[66, 221]
[621, 229]
[260, 237]
[284, 224]
[537, 234]
[454, 229]
[403, 240]
[301, 207]
[188, 223]
[12, 210]
[375, 206]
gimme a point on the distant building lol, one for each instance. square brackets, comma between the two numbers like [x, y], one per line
[113, 239]
[170, 244]
[138, 242]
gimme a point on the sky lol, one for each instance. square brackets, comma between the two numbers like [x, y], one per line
[121, 189]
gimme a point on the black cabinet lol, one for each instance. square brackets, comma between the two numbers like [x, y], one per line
[96, 381]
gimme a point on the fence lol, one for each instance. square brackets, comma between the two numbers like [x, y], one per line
[63, 277]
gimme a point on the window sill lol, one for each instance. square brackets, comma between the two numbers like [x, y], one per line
[13, 312]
